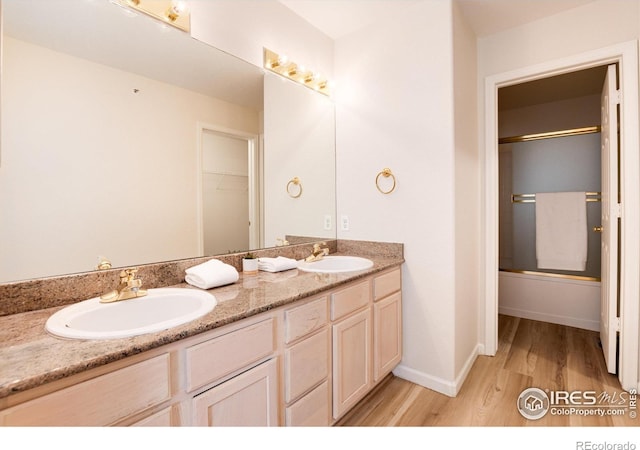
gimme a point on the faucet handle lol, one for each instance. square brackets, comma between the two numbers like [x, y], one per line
[103, 263]
[128, 275]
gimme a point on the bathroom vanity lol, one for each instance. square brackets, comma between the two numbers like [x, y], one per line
[280, 349]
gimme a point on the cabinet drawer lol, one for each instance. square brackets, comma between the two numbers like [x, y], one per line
[221, 356]
[386, 284]
[312, 410]
[159, 419]
[350, 299]
[305, 319]
[306, 364]
[100, 401]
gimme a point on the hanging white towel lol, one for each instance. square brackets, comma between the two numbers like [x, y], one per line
[211, 274]
[561, 230]
[277, 264]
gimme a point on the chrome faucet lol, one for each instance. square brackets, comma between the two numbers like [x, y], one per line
[129, 287]
[318, 252]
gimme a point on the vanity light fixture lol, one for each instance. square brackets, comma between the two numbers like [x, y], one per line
[176, 9]
[281, 65]
[172, 12]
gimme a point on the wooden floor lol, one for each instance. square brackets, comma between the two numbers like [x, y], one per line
[530, 354]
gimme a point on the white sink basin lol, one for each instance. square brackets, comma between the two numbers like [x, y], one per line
[159, 310]
[336, 264]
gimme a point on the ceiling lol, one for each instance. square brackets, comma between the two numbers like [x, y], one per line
[492, 16]
[560, 87]
[337, 18]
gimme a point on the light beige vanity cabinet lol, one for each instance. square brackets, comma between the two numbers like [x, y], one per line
[303, 364]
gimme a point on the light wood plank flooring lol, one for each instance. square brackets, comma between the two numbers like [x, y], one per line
[530, 354]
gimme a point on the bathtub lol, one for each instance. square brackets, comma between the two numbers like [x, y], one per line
[550, 298]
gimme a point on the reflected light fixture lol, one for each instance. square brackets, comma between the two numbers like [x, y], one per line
[172, 12]
[281, 65]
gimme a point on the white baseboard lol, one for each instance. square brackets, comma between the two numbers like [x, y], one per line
[551, 318]
[449, 388]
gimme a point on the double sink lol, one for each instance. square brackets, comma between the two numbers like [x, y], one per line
[161, 308]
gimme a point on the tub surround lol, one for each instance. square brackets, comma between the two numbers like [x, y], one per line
[31, 357]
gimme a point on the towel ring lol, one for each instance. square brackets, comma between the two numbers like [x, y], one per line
[296, 182]
[386, 172]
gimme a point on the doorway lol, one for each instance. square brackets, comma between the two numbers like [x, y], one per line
[625, 55]
[228, 194]
[550, 142]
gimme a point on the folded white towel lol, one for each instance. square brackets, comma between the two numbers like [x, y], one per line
[211, 274]
[561, 230]
[277, 264]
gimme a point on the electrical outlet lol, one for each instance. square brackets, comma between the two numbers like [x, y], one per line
[327, 221]
[344, 223]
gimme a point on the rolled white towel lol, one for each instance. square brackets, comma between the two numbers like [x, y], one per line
[211, 274]
[277, 264]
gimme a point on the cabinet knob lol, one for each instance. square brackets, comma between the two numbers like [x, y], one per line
[598, 229]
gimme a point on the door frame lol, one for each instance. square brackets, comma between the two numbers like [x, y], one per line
[255, 180]
[626, 56]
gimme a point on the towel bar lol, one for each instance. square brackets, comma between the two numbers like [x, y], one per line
[531, 198]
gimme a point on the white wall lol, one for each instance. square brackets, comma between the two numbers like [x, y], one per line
[394, 108]
[594, 25]
[61, 150]
[299, 141]
[467, 196]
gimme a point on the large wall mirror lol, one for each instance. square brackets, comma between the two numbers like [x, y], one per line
[126, 139]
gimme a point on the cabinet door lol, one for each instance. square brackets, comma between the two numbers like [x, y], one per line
[249, 399]
[387, 335]
[351, 361]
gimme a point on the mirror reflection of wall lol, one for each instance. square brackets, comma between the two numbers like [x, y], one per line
[100, 137]
[299, 141]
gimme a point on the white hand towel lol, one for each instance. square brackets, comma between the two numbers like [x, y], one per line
[561, 230]
[211, 274]
[277, 264]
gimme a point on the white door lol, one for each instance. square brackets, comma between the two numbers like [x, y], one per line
[609, 241]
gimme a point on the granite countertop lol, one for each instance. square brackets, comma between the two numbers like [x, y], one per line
[30, 357]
